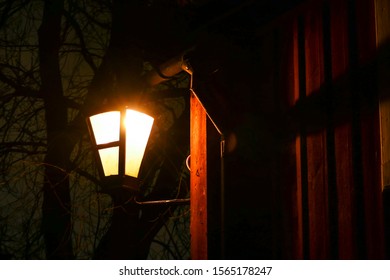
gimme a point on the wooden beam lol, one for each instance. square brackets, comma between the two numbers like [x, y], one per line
[198, 179]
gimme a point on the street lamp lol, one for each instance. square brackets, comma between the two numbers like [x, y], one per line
[120, 137]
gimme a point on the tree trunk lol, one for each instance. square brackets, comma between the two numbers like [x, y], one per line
[56, 214]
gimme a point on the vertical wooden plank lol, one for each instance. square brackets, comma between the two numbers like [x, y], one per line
[290, 178]
[198, 180]
[296, 148]
[301, 144]
[382, 14]
[342, 131]
[330, 134]
[317, 173]
[370, 135]
[298, 190]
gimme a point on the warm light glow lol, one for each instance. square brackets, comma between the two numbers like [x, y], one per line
[110, 160]
[105, 127]
[138, 127]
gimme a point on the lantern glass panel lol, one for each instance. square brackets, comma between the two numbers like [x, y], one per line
[106, 127]
[138, 128]
[110, 160]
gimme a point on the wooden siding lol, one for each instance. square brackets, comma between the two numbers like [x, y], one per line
[335, 199]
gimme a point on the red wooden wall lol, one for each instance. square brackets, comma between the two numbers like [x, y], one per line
[331, 183]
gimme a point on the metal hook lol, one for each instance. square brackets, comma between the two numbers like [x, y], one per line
[187, 163]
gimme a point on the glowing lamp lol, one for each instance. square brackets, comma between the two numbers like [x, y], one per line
[120, 138]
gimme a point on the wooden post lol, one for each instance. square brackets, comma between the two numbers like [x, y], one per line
[198, 151]
[198, 179]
